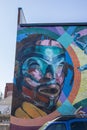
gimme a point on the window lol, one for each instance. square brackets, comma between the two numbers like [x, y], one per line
[79, 125]
[57, 126]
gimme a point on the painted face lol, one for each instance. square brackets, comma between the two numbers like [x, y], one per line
[43, 74]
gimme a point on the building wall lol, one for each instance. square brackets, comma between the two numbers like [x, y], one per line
[8, 89]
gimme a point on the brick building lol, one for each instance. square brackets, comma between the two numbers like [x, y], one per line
[8, 89]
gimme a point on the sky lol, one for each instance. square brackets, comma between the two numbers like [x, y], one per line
[35, 11]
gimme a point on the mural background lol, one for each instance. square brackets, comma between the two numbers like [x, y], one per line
[74, 40]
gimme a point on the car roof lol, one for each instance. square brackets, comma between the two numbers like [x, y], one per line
[70, 117]
[64, 118]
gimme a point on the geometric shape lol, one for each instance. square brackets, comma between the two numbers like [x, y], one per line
[71, 29]
[65, 40]
[60, 30]
[82, 103]
[66, 108]
[62, 97]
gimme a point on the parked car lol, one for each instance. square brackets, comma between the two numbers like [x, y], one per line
[67, 123]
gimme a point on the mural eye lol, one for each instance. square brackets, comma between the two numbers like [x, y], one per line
[34, 71]
[59, 75]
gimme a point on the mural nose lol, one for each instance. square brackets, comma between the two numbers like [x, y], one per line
[49, 72]
[49, 75]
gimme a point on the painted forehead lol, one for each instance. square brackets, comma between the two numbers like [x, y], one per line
[50, 48]
[49, 43]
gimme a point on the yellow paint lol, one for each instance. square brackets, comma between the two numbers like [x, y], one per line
[82, 93]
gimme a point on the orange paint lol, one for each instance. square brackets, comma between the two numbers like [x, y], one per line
[77, 74]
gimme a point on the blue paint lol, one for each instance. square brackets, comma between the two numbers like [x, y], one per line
[67, 86]
[21, 37]
[66, 108]
[71, 29]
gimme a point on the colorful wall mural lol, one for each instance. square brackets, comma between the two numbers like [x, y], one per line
[50, 74]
